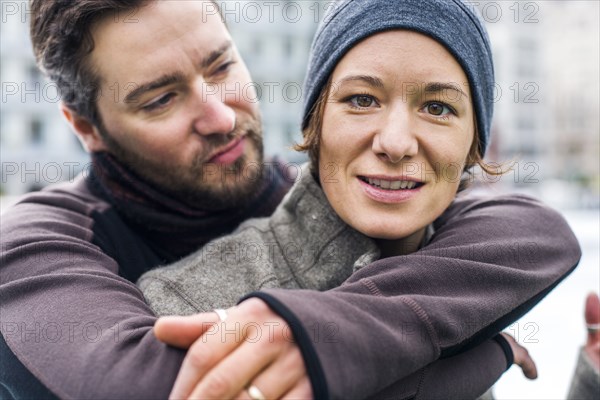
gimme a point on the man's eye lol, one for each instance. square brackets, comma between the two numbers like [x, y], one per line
[362, 101]
[437, 109]
[225, 67]
[160, 102]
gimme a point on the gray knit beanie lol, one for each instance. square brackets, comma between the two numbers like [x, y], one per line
[450, 22]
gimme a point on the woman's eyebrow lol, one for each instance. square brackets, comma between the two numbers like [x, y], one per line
[437, 87]
[368, 79]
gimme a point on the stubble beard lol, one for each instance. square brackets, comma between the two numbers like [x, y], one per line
[203, 185]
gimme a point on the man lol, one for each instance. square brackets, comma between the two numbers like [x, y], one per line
[178, 161]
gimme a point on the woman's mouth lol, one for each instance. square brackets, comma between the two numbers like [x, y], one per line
[391, 184]
[389, 190]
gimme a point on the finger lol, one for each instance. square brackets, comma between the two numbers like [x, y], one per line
[528, 366]
[302, 390]
[206, 352]
[236, 371]
[592, 316]
[282, 374]
[521, 357]
[243, 395]
[183, 331]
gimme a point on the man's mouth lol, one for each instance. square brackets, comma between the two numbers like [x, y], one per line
[230, 153]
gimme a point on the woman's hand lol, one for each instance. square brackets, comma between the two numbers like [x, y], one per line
[252, 347]
[522, 357]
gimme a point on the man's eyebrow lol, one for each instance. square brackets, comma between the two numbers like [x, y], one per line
[436, 87]
[214, 55]
[164, 80]
[368, 79]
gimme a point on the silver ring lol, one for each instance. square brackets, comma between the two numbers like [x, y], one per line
[255, 393]
[222, 314]
[593, 328]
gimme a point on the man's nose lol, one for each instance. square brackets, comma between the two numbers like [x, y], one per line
[213, 116]
[395, 138]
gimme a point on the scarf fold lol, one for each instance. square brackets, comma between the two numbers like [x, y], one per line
[172, 228]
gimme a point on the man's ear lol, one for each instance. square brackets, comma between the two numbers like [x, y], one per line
[87, 133]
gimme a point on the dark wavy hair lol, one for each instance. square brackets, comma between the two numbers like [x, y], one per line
[62, 41]
[61, 36]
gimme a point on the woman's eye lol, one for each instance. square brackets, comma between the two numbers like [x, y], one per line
[438, 109]
[362, 101]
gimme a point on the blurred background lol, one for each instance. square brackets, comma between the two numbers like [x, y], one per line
[547, 121]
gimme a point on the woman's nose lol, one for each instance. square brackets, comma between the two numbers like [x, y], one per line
[395, 139]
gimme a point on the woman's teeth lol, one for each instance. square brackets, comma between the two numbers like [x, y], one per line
[390, 185]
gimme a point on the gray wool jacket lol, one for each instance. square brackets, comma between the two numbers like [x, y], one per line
[303, 245]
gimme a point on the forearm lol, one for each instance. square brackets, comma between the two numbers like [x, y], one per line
[92, 343]
[464, 376]
[488, 264]
[77, 326]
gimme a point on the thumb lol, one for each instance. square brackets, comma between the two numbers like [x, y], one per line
[522, 357]
[182, 331]
[528, 366]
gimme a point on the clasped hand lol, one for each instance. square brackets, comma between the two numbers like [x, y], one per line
[253, 347]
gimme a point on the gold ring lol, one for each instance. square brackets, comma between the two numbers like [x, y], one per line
[255, 393]
[222, 314]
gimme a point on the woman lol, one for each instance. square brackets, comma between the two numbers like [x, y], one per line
[399, 104]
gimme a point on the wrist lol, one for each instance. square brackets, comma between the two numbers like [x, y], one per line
[506, 348]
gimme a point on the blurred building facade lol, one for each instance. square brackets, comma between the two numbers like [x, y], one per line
[573, 62]
[274, 39]
[548, 95]
[36, 147]
[547, 90]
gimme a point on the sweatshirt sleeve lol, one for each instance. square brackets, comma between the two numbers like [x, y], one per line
[489, 262]
[68, 317]
[467, 375]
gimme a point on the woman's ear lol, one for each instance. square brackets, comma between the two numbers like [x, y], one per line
[87, 133]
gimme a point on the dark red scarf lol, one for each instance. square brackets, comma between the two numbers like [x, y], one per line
[172, 228]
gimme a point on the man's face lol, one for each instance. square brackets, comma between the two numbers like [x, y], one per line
[177, 103]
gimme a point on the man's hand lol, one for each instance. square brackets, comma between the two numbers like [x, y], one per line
[253, 347]
[592, 320]
[522, 357]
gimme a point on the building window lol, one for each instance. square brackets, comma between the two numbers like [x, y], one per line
[35, 129]
[288, 46]
[257, 47]
[33, 74]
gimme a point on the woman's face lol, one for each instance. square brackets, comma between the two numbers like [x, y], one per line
[397, 128]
